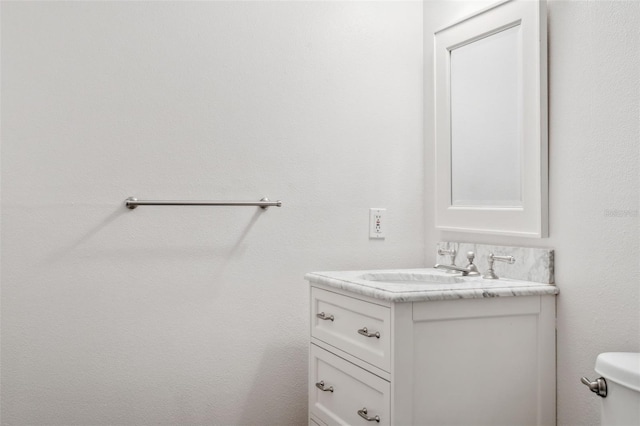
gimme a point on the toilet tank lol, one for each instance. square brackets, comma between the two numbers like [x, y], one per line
[621, 370]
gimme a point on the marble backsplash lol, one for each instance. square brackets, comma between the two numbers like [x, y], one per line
[532, 264]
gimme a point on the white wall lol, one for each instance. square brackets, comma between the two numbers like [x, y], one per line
[169, 315]
[198, 315]
[594, 120]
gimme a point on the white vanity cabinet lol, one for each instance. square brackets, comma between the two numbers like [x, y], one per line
[468, 361]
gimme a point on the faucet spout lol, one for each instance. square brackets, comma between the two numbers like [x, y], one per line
[465, 271]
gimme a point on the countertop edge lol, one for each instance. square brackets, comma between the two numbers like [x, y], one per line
[422, 295]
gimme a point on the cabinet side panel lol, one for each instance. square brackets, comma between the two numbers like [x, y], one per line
[487, 362]
[547, 361]
[471, 308]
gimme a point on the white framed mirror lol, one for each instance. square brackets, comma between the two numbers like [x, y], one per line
[491, 121]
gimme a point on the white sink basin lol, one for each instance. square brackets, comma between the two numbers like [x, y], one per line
[412, 278]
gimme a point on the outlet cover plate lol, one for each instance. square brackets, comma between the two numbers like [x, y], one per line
[377, 223]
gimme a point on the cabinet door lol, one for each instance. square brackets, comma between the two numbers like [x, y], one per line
[359, 328]
[341, 393]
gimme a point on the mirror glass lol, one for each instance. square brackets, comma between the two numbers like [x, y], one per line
[486, 106]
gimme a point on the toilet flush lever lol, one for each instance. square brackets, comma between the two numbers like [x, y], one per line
[598, 386]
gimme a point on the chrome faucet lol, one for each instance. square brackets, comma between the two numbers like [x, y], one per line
[454, 268]
[469, 270]
[473, 269]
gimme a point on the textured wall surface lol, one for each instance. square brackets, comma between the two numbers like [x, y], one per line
[194, 315]
[199, 315]
[594, 149]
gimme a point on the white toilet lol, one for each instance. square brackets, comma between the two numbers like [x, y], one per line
[619, 388]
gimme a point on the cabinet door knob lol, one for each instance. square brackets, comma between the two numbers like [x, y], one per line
[320, 385]
[366, 333]
[325, 317]
[363, 413]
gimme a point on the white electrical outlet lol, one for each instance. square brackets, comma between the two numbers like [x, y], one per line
[377, 223]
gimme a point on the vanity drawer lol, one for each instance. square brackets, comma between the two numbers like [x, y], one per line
[354, 391]
[360, 328]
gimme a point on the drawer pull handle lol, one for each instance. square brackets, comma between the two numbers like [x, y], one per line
[363, 413]
[365, 332]
[325, 317]
[320, 385]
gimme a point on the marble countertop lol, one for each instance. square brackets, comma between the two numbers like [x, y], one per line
[418, 285]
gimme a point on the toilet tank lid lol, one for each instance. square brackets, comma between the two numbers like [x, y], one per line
[620, 367]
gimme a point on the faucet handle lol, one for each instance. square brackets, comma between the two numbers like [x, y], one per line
[451, 252]
[490, 274]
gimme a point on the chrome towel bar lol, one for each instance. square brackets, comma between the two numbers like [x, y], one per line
[132, 203]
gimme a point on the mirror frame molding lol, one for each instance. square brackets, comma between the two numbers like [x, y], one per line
[531, 219]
